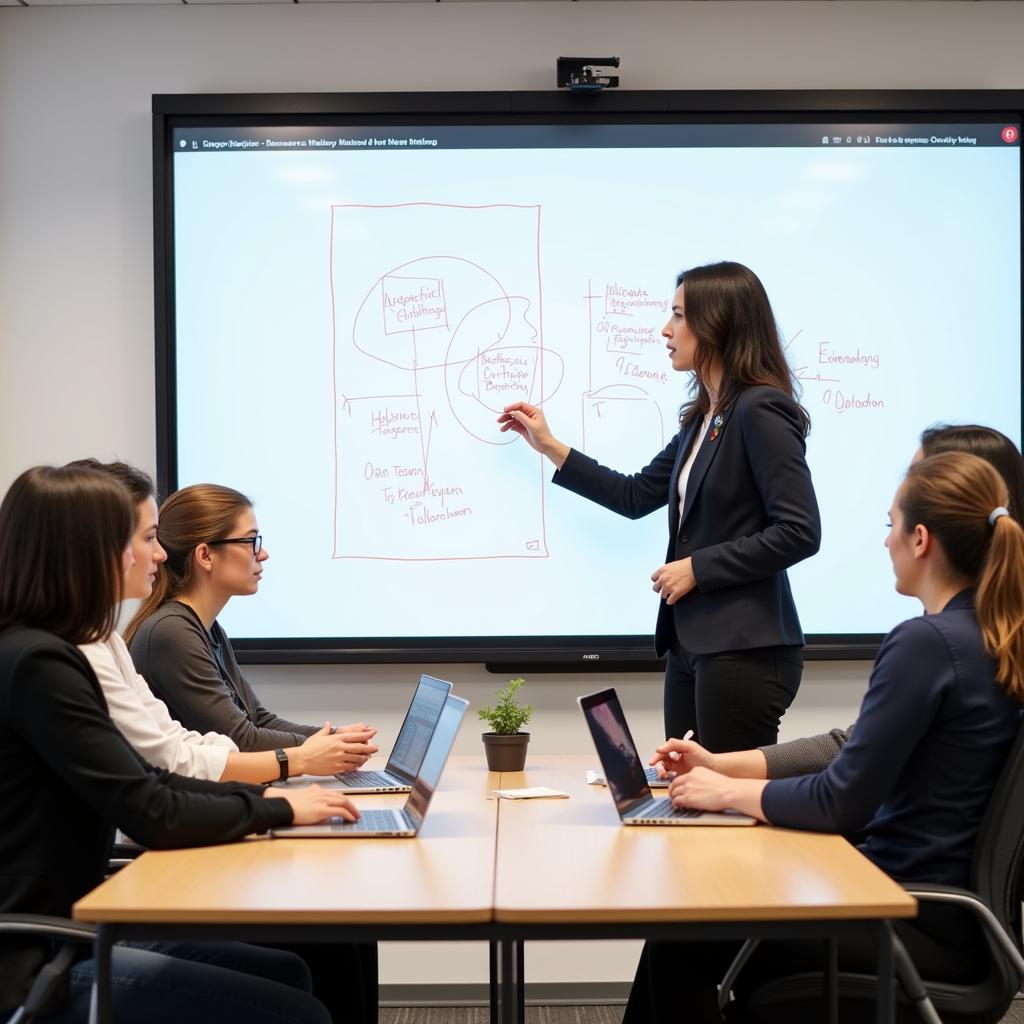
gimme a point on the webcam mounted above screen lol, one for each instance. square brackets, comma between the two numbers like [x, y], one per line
[350, 288]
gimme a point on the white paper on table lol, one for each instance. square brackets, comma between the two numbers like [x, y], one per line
[530, 793]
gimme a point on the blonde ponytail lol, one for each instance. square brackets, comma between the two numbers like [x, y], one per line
[957, 497]
[1000, 603]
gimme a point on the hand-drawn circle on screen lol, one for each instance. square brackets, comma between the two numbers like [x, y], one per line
[405, 319]
[449, 313]
[494, 359]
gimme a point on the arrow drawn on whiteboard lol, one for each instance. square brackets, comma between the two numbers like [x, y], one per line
[426, 455]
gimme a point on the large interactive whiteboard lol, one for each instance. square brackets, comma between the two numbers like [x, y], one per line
[352, 304]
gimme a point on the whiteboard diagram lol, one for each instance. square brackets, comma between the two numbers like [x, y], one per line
[429, 346]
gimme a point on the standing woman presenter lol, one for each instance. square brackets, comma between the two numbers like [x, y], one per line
[741, 511]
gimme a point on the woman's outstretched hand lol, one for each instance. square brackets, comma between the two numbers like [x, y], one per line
[531, 425]
[313, 804]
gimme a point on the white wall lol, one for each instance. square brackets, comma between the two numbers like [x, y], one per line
[76, 335]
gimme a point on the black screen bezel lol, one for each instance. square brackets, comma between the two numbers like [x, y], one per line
[506, 654]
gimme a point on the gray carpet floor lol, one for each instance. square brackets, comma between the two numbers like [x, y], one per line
[478, 1015]
[552, 1015]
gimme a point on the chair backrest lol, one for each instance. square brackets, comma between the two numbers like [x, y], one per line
[999, 849]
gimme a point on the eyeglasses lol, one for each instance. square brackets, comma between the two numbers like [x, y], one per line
[256, 543]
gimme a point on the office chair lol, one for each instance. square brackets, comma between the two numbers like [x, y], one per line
[993, 900]
[51, 976]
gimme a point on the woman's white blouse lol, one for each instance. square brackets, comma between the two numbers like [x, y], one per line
[145, 720]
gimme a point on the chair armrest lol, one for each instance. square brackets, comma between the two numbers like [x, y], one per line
[50, 927]
[725, 988]
[930, 893]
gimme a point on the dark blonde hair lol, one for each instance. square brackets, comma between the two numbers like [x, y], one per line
[192, 516]
[63, 532]
[988, 444]
[954, 495]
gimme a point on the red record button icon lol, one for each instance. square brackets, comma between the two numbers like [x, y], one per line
[1010, 133]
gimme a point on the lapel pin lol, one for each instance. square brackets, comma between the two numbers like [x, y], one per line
[716, 427]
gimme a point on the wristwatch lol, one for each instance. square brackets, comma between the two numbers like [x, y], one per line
[282, 761]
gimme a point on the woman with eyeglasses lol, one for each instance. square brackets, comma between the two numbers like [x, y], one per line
[215, 552]
[145, 720]
[68, 777]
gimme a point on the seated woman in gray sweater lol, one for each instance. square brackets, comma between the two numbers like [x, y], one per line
[215, 552]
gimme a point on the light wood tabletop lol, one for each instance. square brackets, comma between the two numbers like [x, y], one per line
[527, 861]
[445, 875]
[572, 861]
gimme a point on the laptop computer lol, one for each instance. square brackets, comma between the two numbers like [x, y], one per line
[389, 822]
[411, 746]
[654, 780]
[624, 771]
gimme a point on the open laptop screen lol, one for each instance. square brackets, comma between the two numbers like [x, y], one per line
[623, 769]
[437, 754]
[414, 736]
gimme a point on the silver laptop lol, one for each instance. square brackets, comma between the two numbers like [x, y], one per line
[410, 747]
[624, 772]
[389, 822]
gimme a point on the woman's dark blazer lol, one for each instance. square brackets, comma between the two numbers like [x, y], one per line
[750, 513]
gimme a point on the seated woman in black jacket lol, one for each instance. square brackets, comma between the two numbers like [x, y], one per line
[68, 777]
[914, 779]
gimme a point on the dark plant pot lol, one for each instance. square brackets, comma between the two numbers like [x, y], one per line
[506, 753]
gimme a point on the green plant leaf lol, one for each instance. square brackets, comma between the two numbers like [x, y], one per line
[508, 716]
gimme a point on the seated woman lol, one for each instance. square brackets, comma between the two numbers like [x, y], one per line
[815, 753]
[68, 777]
[144, 718]
[214, 552]
[941, 709]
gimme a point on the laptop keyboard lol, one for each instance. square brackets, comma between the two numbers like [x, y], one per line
[371, 821]
[367, 779]
[663, 809]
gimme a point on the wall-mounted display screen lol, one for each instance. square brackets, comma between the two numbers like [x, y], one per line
[347, 302]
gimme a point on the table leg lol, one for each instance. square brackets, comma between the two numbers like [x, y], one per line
[884, 1010]
[521, 980]
[832, 981]
[511, 997]
[100, 1009]
[493, 980]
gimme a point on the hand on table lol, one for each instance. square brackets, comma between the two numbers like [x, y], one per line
[702, 789]
[313, 804]
[677, 757]
[325, 753]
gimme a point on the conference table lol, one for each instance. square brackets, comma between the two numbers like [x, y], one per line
[505, 872]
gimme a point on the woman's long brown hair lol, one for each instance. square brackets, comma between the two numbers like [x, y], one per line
[63, 533]
[189, 517]
[727, 309]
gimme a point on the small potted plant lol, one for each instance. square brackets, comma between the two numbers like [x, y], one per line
[505, 745]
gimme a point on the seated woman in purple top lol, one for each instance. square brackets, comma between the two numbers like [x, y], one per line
[942, 707]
